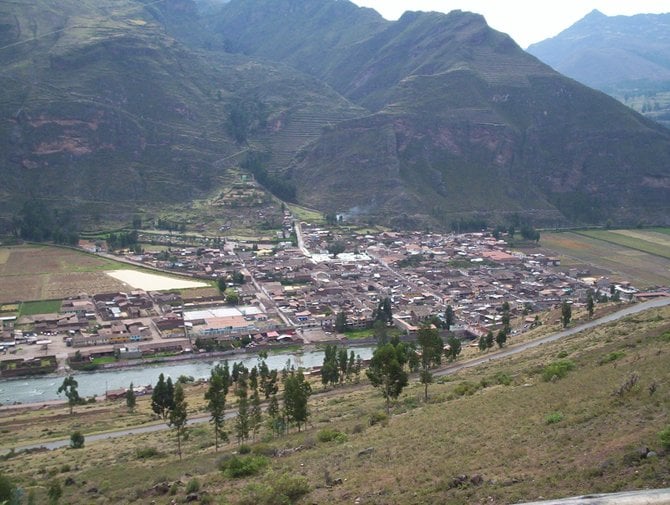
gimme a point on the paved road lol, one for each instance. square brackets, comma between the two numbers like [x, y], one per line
[452, 369]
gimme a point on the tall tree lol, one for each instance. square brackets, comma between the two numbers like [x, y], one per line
[387, 371]
[449, 317]
[590, 303]
[454, 349]
[131, 399]
[162, 396]
[383, 312]
[489, 339]
[566, 313]
[342, 360]
[242, 419]
[256, 417]
[501, 338]
[329, 369]
[69, 387]
[296, 395]
[178, 414]
[216, 402]
[482, 343]
[340, 322]
[430, 345]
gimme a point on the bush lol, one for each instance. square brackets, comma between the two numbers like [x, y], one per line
[276, 490]
[377, 418]
[235, 466]
[664, 435]
[77, 440]
[557, 369]
[553, 418]
[147, 452]
[613, 356]
[244, 449]
[466, 388]
[330, 435]
[193, 486]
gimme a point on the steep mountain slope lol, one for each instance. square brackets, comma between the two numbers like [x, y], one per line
[627, 57]
[104, 111]
[462, 121]
[113, 104]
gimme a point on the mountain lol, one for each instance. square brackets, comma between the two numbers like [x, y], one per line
[116, 105]
[462, 121]
[627, 57]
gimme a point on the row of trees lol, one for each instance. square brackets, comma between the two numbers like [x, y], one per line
[340, 366]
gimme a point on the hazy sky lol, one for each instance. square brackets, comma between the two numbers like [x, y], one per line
[526, 21]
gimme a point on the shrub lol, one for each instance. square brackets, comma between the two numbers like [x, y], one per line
[664, 435]
[146, 453]
[276, 490]
[193, 486]
[557, 369]
[244, 449]
[613, 356]
[562, 354]
[377, 418]
[77, 440]
[553, 418]
[236, 466]
[466, 388]
[330, 435]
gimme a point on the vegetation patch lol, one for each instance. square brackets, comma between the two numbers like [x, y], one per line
[41, 307]
[330, 435]
[553, 418]
[612, 356]
[243, 466]
[557, 370]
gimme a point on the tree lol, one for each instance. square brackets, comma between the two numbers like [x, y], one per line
[131, 399]
[69, 387]
[296, 394]
[256, 417]
[449, 317]
[430, 345]
[238, 277]
[329, 369]
[336, 247]
[501, 338]
[340, 322]
[455, 348]
[383, 312]
[242, 419]
[178, 414]
[232, 297]
[162, 398]
[342, 361]
[566, 313]
[380, 331]
[387, 371]
[77, 440]
[489, 339]
[221, 284]
[590, 303]
[7, 489]
[216, 401]
[482, 343]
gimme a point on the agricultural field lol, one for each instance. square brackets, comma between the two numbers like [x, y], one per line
[29, 273]
[639, 256]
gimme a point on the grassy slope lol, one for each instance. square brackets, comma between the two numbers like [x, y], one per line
[499, 432]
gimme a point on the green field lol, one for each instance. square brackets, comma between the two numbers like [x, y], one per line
[41, 307]
[639, 256]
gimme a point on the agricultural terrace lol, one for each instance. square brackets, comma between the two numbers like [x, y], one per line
[48, 273]
[639, 256]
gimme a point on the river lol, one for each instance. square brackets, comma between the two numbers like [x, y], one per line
[41, 389]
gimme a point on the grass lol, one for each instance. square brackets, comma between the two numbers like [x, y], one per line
[41, 307]
[525, 437]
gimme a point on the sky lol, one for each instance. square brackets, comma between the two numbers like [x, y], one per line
[526, 21]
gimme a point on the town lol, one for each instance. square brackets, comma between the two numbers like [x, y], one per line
[321, 284]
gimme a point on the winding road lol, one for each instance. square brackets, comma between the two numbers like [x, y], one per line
[451, 369]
